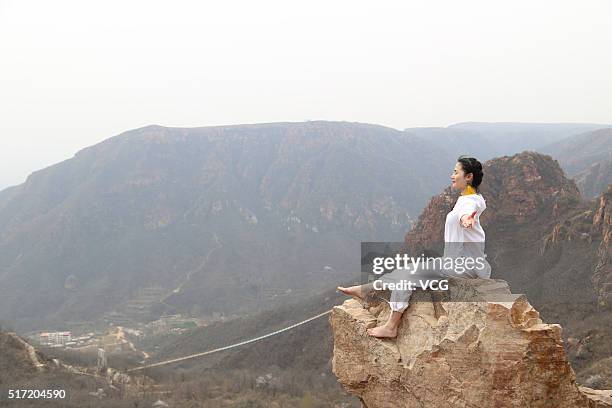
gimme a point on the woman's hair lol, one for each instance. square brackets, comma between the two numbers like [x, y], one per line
[471, 165]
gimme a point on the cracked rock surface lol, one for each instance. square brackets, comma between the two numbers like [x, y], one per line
[476, 345]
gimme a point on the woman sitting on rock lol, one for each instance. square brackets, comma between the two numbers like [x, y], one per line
[463, 238]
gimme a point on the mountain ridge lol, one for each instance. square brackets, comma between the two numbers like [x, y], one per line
[147, 205]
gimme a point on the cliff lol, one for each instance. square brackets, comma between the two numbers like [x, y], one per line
[496, 352]
[602, 277]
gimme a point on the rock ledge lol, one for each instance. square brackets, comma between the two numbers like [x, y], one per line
[493, 352]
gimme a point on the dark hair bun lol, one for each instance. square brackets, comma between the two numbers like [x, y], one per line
[471, 165]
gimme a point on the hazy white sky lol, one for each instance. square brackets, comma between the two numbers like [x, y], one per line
[73, 73]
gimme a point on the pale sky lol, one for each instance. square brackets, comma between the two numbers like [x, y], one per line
[73, 73]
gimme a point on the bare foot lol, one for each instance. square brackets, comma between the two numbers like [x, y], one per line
[383, 331]
[352, 291]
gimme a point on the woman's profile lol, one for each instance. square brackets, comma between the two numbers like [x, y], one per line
[463, 237]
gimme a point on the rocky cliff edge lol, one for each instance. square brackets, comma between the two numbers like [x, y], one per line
[492, 352]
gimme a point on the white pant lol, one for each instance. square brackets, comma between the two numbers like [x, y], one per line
[400, 297]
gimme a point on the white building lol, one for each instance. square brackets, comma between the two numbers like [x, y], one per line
[54, 338]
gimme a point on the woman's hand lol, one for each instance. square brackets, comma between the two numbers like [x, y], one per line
[467, 221]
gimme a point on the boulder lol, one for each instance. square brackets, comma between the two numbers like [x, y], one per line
[476, 345]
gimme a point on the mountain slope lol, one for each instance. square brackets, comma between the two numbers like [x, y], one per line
[204, 220]
[587, 158]
[577, 153]
[294, 362]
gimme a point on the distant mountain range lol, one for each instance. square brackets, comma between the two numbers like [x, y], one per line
[488, 140]
[217, 219]
[225, 219]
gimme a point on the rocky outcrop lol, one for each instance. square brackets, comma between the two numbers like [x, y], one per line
[30, 352]
[493, 352]
[592, 225]
[602, 276]
[19, 355]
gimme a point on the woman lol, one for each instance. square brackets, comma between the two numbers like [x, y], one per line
[463, 237]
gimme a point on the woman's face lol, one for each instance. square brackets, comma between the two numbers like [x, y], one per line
[459, 181]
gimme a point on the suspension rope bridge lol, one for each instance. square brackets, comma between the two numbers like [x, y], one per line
[242, 343]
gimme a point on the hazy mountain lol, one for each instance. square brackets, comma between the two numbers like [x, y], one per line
[458, 141]
[510, 138]
[587, 158]
[577, 153]
[203, 220]
[488, 140]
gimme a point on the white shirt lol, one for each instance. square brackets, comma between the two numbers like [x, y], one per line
[465, 205]
[457, 237]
